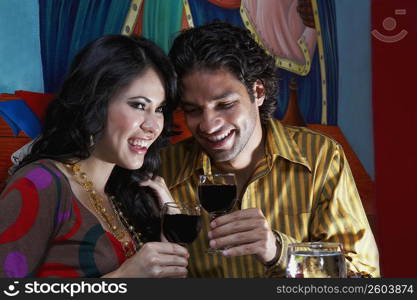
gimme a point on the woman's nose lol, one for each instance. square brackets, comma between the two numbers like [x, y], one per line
[150, 124]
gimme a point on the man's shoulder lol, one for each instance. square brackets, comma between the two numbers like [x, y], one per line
[314, 134]
[311, 140]
[317, 147]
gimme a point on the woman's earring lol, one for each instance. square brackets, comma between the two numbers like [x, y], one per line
[91, 140]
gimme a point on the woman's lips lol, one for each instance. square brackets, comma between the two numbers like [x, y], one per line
[138, 149]
[139, 145]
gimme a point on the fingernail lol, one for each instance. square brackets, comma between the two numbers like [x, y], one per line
[225, 253]
[210, 235]
[213, 244]
[213, 224]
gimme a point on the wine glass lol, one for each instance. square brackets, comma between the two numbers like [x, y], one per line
[217, 195]
[316, 260]
[181, 222]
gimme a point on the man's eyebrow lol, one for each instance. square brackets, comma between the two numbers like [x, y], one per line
[182, 103]
[220, 97]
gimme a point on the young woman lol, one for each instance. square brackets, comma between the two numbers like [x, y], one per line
[85, 202]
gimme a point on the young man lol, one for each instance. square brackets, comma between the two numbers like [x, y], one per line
[293, 184]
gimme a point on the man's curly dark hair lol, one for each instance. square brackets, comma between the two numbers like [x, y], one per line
[219, 45]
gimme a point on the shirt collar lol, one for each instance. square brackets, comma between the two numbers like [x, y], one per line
[279, 142]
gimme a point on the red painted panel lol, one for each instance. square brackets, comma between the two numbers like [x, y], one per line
[394, 67]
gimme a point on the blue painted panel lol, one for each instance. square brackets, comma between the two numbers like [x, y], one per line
[20, 56]
[353, 20]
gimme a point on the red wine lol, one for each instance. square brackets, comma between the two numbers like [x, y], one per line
[181, 228]
[217, 198]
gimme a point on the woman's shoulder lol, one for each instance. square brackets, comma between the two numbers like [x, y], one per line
[41, 173]
[39, 187]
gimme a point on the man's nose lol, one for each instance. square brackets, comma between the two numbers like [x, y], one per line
[210, 122]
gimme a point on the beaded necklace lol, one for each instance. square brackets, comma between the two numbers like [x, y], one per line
[119, 232]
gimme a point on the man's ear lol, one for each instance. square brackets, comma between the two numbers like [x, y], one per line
[259, 92]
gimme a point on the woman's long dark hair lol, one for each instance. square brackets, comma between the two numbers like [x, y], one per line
[79, 113]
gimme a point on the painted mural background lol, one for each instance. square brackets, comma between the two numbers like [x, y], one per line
[345, 69]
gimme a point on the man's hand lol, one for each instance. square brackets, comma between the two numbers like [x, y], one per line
[246, 232]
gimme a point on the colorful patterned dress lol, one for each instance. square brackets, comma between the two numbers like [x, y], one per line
[46, 232]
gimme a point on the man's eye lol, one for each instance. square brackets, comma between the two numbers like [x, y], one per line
[226, 105]
[190, 110]
[137, 105]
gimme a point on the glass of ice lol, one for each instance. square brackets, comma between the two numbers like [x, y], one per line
[316, 260]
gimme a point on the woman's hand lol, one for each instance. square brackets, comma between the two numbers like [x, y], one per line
[159, 186]
[161, 190]
[155, 260]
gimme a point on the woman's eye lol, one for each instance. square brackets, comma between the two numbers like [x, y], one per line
[161, 109]
[137, 105]
[188, 109]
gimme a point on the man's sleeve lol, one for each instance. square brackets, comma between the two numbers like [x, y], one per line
[338, 216]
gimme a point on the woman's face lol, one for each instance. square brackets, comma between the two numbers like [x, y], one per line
[135, 120]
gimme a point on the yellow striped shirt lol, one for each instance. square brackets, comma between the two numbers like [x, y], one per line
[304, 188]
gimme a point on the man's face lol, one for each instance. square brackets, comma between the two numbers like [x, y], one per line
[220, 114]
